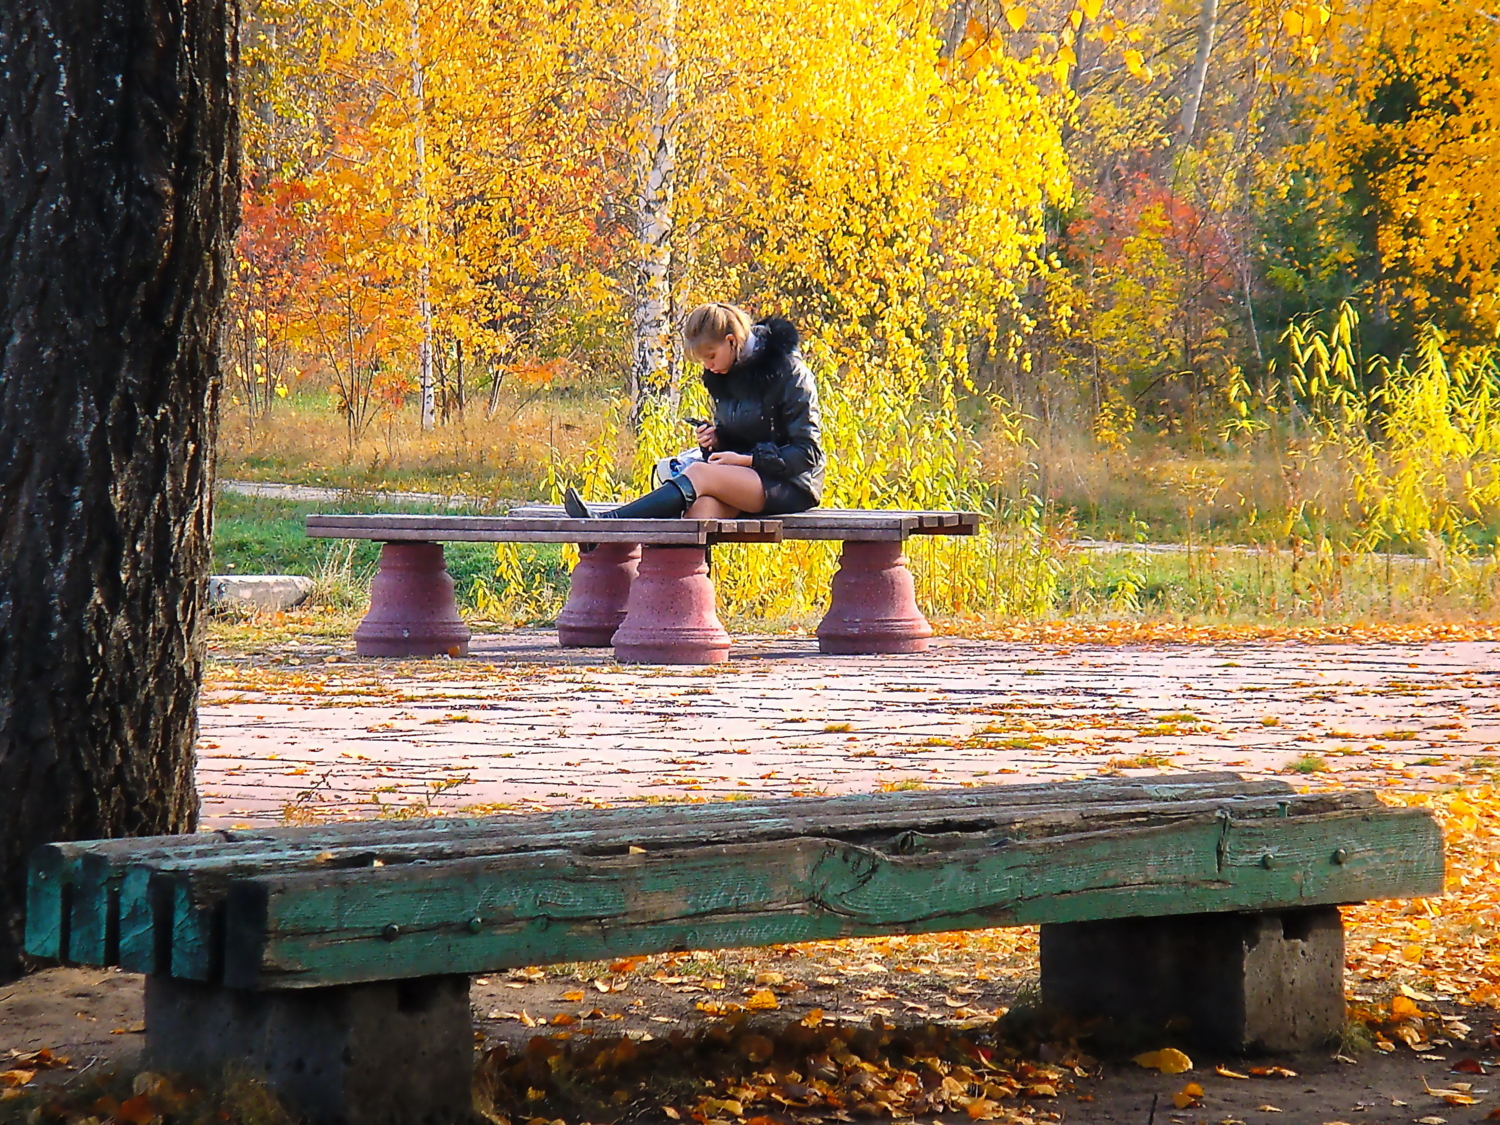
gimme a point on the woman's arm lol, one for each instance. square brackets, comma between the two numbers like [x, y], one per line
[801, 450]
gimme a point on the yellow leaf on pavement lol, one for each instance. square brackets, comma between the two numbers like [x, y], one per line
[1189, 1095]
[1169, 1060]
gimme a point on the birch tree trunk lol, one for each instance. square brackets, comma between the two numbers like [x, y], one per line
[118, 155]
[656, 173]
[1208, 22]
[424, 222]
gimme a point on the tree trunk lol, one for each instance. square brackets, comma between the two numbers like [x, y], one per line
[656, 173]
[118, 152]
[1208, 23]
[424, 226]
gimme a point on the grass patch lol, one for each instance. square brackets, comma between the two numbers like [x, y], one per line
[259, 535]
[1308, 763]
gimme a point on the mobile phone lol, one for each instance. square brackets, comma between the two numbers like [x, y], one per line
[696, 423]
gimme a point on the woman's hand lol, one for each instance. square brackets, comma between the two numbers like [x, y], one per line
[706, 436]
[742, 459]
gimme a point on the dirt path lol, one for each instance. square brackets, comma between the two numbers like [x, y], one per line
[94, 1018]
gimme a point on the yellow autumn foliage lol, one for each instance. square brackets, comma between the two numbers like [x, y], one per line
[1405, 124]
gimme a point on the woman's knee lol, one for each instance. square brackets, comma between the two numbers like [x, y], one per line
[703, 476]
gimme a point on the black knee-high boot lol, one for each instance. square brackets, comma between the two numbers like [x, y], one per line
[666, 502]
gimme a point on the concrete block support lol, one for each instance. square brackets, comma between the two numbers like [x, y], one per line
[1249, 982]
[597, 595]
[670, 616]
[873, 604]
[388, 1053]
[412, 608]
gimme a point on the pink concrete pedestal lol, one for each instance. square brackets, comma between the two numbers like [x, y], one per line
[597, 595]
[412, 610]
[670, 617]
[873, 604]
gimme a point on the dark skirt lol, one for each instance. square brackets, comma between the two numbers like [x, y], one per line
[783, 498]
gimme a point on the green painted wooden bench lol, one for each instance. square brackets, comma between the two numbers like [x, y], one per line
[334, 960]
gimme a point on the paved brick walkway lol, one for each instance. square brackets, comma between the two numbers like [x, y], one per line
[524, 724]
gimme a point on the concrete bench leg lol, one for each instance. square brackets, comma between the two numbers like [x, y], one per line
[412, 609]
[670, 616]
[873, 606]
[388, 1053]
[1270, 981]
[597, 595]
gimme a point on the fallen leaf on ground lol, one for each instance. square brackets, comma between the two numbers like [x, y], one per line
[1224, 1072]
[137, 1111]
[1169, 1060]
[1190, 1095]
[1404, 1008]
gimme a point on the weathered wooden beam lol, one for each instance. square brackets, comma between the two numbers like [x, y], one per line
[188, 915]
[69, 911]
[49, 893]
[313, 929]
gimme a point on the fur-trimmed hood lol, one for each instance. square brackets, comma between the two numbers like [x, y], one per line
[768, 355]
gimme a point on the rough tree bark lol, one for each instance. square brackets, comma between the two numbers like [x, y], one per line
[118, 156]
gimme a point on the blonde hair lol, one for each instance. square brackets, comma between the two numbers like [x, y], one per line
[708, 325]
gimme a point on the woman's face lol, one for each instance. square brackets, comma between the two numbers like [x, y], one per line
[720, 358]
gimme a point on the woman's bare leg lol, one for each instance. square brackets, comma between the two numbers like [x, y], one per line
[724, 491]
[710, 508]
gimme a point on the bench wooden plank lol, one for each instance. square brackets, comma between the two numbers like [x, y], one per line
[849, 524]
[62, 897]
[540, 529]
[93, 875]
[199, 885]
[315, 929]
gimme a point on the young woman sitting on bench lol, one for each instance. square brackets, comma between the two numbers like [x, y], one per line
[761, 452]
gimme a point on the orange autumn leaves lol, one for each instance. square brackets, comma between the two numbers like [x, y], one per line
[1441, 947]
[753, 1073]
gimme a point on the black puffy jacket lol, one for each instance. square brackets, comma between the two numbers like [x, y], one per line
[766, 405]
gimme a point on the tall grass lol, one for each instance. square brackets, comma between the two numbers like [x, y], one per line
[895, 440]
[1349, 489]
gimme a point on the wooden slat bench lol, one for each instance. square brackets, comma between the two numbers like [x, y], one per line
[333, 960]
[413, 611]
[645, 589]
[872, 600]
